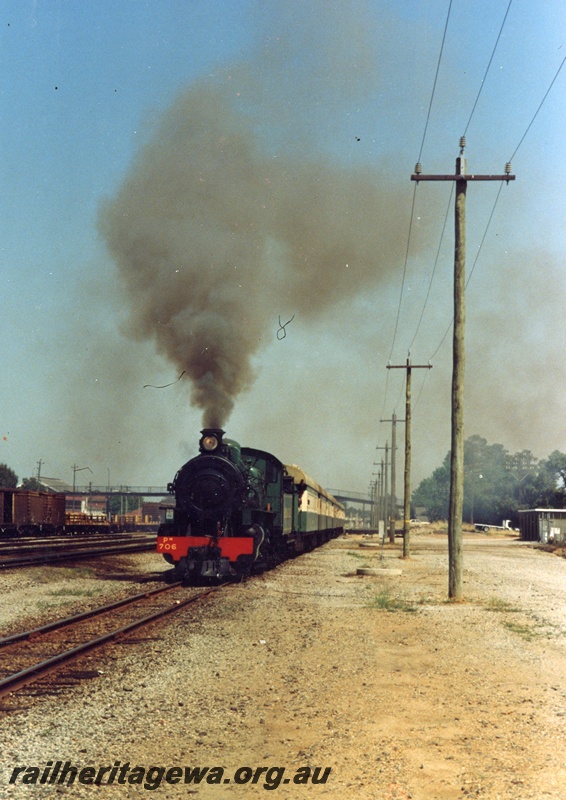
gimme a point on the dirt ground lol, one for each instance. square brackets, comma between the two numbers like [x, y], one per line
[398, 692]
[403, 694]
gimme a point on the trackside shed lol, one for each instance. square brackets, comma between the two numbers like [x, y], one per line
[543, 524]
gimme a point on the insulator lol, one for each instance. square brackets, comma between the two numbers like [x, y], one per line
[508, 168]
[418, 168]
[462, 142]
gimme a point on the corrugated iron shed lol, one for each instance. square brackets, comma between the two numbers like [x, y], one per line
[543, 524]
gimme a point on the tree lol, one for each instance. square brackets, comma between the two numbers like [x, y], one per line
[117, 505]
[524, 470]
[8, 478]
[433, 493]
[490, 493]
[552, 481]
[33, 485]
[496, 483]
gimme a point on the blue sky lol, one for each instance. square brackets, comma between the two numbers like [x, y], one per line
[329, 97]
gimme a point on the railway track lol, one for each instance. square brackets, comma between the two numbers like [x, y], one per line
[37, 656]
[42, 551]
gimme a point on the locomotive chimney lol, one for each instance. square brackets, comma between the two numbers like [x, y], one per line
[211, 439]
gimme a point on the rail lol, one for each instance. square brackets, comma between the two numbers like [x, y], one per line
[39, 669]
[79, 549]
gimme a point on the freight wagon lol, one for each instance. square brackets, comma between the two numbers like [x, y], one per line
[32, 513]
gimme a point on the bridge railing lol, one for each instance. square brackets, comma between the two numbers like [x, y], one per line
[137, 490]
[361, 496]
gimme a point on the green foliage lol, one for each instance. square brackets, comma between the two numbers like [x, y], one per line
[553, 494]
[386, 601]
[8, 478]
[32, 484]
[124, 504]
[501, 606]
[489, 486]
[433, 493]
[496, 483]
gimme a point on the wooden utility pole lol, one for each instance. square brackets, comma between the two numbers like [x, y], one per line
[407, 488]
[373, 506]
[393, 517]
[376, 505]
[385, 473]
[377, 501]
[381, 495]
[455, 559]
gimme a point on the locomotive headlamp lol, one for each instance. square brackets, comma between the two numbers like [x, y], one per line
[209, 443]
[211, 439]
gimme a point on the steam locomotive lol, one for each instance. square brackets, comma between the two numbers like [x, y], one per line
[239, 510]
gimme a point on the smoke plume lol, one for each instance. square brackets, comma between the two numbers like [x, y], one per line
[222, 227]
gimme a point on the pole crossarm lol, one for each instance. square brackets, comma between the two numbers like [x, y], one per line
[416, 177]
[407, 366]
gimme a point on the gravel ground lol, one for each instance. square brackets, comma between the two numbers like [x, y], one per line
[401, 694]
[40, 594]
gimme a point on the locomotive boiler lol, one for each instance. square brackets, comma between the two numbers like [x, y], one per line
[240, 510]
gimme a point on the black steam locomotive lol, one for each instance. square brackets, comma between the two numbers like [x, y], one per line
[239, 510]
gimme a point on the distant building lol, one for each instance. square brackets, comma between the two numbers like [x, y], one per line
[54, 485]
[149, 513]
[84, 503]
[546, 525]
[96, 505]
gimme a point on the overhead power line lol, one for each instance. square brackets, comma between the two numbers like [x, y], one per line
[538, 109]
[482, 83]
[419, 159]
[407, 249]
[398, 315]
[487, 68]
[521, 140]
[435, 80]
[473, 266]
[404, 272]
[434, 267]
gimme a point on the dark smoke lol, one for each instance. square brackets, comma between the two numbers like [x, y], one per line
[230, 220]
[214, 238]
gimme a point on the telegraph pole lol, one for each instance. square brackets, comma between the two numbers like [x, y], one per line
[455, 559]
[381, 499]
[394, 422]
[373, 495]
[407, 489]
[385, 471]
[373, 516]
[377, 495]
